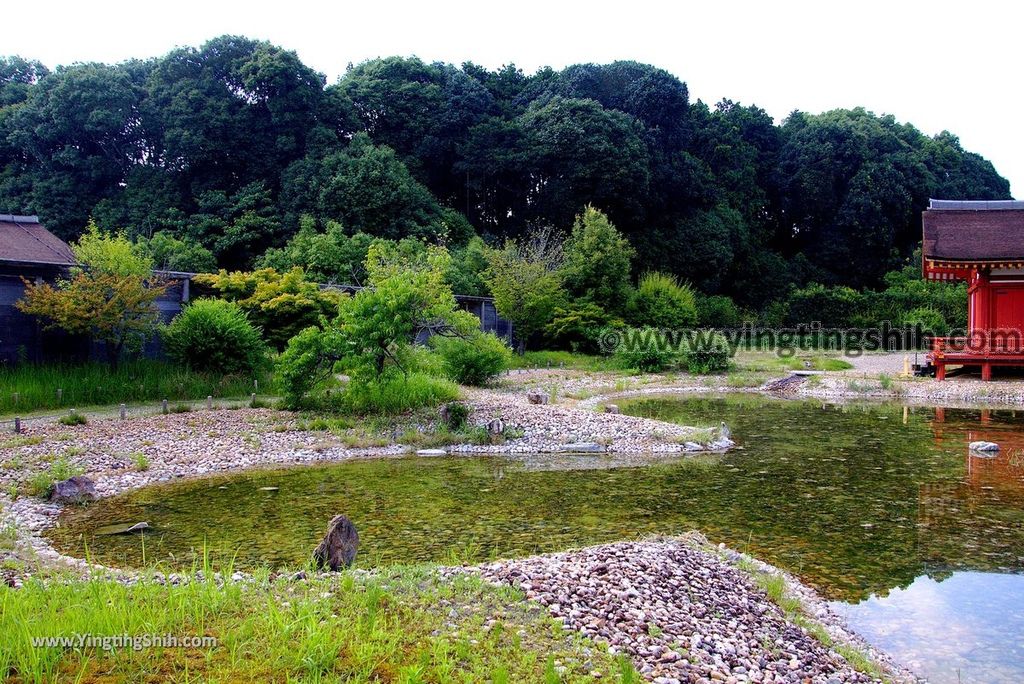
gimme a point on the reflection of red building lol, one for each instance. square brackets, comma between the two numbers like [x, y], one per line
[982, 244]
[1001, 472]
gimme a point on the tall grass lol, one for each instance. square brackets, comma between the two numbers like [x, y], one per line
[27, 387]
[398, 393]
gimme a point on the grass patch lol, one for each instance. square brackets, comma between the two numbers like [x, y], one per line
[397, 394]
[26, 387]
[73, 419]
[17, 442]
[41, 483]
[401, 625]
[771, 362]
[140, 461]
[563, 359]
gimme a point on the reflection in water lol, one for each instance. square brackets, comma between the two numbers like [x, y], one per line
[861, 501]
[967, 628]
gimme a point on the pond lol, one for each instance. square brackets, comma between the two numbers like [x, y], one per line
[880, 507]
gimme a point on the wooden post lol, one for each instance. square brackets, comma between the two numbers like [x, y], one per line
[123, 411]
[17, 426]
[209, 402]
[60, 395]
[940, 369]
[986, 371]
[163, 406]
[252, 399]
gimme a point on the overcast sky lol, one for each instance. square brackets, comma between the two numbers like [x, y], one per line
[939, 65]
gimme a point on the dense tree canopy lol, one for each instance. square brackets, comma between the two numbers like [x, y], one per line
[227, 147]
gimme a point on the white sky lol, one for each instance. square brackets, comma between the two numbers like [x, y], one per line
[939, 65]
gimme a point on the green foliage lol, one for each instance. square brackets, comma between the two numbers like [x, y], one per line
[168, 253]
[393, 392]
[279, 304]
[597, 261]
[660, 301]
[41, 482]
[646, 350]
[832, 307]
[930, 321]
[376, 329]
[215, 335]
[332, 256]
[27, 387]
[457, 414]
[73, 419]
[579, 327]
[466, 273]
[110, 298]
[717, 311]
[707, 352]
[526, 281]
[474, 360]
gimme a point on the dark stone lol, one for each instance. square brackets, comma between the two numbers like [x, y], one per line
[611, 408]
[496, 427]
[77, 489]
[537, 398]
[339, 546]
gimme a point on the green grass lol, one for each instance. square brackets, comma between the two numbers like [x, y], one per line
[73, 419]
[769, 361]
[41, 483]
[397, 393]
[403, 625]
[28, 388]
[557, 359]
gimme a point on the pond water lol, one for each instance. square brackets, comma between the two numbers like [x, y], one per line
[880, 507]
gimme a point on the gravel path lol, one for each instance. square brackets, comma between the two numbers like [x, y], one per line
[683, 613]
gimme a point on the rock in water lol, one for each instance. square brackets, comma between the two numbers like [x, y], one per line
[983, 446]
[77, 489]
[339, 546]
[123, 528]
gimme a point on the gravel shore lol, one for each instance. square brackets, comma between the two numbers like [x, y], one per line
[684, 612]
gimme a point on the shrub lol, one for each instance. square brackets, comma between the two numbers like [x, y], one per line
[474, 360]
[579, 327]
[73, 419]
[215, 335]
[833, 307]
[708, 353]
[660, 301]
[456, 414]
[645, 349]
[394, 392]
[930, 321]
[717, 311]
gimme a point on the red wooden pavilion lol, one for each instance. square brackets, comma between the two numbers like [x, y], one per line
[981, 243]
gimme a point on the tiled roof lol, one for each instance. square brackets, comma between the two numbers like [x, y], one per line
[24, 239]
[973, 235]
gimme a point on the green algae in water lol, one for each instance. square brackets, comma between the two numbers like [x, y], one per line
[855, 500]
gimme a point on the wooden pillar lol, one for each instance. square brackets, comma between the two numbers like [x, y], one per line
[940, 369]
[986, 371]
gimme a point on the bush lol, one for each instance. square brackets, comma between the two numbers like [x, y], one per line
[475, 360]
[930, 321]
[717, 311]
[833, 307]
[660, 301]
[396, 393]
[73, 419]
[708, 353]
[579, 327]
[645, 349]
[215, 335]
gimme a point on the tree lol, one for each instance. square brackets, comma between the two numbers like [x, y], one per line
[110, 297]
[280, 304]
[168, 253]
[331, 256]
[597, 261]
[661, 301]
[525, 278]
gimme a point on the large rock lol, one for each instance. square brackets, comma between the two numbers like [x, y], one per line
[612, 408]
[983, 447]
[582, 448]
[537, 398]
[77, 489]
[339, 546]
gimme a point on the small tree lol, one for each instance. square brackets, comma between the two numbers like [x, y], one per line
[661, 301]
[215, 335]
[597, 261]
[525, 279]
[110, 297]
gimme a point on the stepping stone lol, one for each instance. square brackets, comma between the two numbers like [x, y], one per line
[983, 446]
[431, 452]
[269, 489]
[123, 528]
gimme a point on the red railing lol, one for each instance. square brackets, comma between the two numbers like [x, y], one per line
[980, 343]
